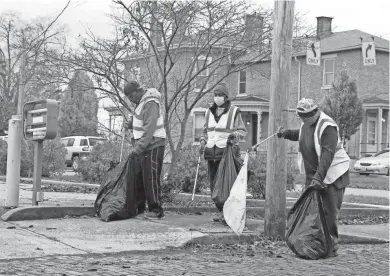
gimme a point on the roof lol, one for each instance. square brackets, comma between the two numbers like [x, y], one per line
[336, 42]
[376, 100]
[348, 40]
[249, 98]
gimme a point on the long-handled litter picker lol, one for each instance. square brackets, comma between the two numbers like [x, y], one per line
[123, 140]
[196, 177]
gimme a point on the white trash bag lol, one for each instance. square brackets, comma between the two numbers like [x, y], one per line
[234, 209]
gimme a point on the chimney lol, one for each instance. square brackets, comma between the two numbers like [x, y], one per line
[253, 29]
[324, 26]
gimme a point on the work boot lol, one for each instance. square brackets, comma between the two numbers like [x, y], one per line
[219, 217]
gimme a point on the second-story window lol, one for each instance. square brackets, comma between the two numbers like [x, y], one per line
[202, 70]
[242, 82]
[328, 73]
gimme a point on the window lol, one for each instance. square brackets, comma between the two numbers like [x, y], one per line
[242, 82]
[328, 76]
[64, 142]
[202, 66]
[135, 73]
[116, 122]
[84, 143]
[95, 141]
[71, 142]
[371, 132]
[198, 124]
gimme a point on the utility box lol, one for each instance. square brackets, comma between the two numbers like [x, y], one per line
[40, 119]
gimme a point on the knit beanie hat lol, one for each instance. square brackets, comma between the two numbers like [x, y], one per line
[222, 87]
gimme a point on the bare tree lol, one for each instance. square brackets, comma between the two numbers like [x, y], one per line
[184, 49]
[39, 39]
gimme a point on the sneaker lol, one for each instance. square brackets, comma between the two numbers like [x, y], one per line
[219, 218]
[333, 254]
[154, 215]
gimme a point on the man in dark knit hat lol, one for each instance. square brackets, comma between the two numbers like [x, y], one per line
[148, 151]
[322, 158]
[223, 122]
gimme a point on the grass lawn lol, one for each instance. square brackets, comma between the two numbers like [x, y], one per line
[352, 198]
[375, 182]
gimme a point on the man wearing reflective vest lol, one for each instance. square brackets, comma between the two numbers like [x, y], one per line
[223, 122]
[322, 157]
[148, 150]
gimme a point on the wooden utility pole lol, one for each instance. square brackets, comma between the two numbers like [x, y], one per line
[275, 198]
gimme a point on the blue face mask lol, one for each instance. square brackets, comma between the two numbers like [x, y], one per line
[219, 100]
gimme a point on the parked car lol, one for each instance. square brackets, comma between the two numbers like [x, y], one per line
[375, 164]
[4, 138]
[78, 148]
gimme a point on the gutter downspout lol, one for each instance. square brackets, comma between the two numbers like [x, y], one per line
[299, 77]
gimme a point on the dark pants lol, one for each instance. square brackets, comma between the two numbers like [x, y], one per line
[212, 166]
[332, 198]
[148, 167]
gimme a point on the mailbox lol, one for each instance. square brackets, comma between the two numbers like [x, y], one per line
[40, 120]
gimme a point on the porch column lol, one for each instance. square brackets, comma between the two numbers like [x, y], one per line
[259, 113]
[379, 128]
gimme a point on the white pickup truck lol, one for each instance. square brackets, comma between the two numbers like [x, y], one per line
[78, 148]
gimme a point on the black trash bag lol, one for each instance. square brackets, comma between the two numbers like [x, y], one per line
[227, 172]
[307, 230]
[117, 195]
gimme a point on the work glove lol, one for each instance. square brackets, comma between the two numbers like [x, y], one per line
[233, 138]
[133, 154]
[280, 132]
[318, 185]
[202, 146]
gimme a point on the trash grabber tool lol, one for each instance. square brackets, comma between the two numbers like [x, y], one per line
[123, 140]
[196, 177]
[258, 144]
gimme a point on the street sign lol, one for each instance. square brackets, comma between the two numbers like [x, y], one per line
[368, 52]
[313, 53]
[40, 119]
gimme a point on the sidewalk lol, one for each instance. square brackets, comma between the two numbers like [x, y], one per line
[86, 235]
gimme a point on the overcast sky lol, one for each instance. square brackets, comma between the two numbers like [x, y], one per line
[369, 16]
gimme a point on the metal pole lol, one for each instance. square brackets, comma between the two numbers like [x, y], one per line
[38, 158]
[275, 198]
[14, 146]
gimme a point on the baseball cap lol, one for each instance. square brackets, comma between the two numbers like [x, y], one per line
[306, 105]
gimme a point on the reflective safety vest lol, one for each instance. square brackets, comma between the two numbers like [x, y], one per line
[218, 133]
[138, 124]
[340, 162]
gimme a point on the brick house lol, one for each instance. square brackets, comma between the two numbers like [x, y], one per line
[249, 89]
[339, 50]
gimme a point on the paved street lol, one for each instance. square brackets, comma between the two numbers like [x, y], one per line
[210, 260]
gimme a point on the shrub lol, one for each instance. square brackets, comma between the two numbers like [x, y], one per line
[183, 178]
[53, 158]
[257, 170]
[100, 159]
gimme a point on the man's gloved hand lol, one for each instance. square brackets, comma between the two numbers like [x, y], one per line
[202, 146]
[316, 184]
[133, 153]
[280, 132]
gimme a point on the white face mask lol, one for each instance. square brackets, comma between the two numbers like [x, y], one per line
[219, 100]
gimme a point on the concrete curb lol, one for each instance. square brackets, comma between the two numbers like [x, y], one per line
[46, 212]
[231, 238]
[58, 182]
[345, 213]
[51, 212]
